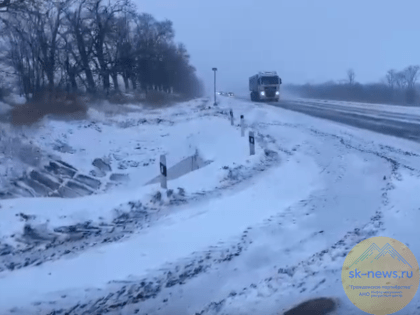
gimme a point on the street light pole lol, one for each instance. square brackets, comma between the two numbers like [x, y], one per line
[214, 69]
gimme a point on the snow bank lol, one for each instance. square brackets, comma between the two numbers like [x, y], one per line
[169, 241]
[4, 108]
[141, 145]
[15, 99]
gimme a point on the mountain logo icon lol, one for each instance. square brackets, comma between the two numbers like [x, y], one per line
[380, 275]
[375, 253]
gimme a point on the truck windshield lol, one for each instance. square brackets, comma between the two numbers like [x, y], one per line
[269, 80]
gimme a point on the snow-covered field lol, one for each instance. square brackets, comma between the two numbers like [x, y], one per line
[240, 235]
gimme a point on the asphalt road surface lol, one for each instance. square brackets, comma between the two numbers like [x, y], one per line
[400, 125]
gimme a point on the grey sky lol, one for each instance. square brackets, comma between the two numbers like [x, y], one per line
[304, 40]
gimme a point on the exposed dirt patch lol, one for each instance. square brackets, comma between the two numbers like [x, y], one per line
[55, 103]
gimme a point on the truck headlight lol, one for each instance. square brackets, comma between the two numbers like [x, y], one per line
[262, 93]
[277, 92]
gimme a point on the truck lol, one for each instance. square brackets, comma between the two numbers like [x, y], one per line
[265, 86]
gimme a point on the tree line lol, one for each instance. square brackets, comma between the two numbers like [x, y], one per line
[92, 46]
[397, 87]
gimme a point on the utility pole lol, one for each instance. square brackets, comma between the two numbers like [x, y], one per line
[215, 69]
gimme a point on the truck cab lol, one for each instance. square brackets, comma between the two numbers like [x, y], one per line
[265, 86]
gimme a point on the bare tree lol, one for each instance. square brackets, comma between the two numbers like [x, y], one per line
[400, 80]
[23, 49]
[124, 51]
[411, 74]
[118, 49]
[104, 25]
[75, 43]
[391, 78]
[34, 33]
[350, 76]
[48, 36]
[78, 24]
[151, 41]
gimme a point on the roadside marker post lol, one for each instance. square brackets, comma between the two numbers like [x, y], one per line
[231, 117]
[242, 126]
[163, 172]
[251, 143]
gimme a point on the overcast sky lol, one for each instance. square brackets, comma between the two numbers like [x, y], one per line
[303, 40]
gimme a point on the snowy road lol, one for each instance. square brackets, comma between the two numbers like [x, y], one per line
[242, 235]
[398, 121]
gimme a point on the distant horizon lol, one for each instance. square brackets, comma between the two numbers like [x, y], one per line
[303, 40]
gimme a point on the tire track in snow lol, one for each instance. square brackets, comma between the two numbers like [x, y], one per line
[347, 144]
[131, 293]
[336, 252]
[359, 234]
[305, 276]
[302, 277]
[118, 301]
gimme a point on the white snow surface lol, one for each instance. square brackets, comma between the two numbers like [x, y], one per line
[330, 180]
[141, 144]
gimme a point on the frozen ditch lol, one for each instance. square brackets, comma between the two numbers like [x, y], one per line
[60, 179]
[187, 165]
